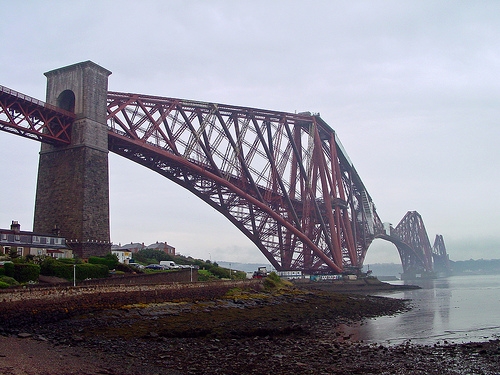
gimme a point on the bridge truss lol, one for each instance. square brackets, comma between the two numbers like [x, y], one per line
[32, 118]
[440, 256]
[283, 179]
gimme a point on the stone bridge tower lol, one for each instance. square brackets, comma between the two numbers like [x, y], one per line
[73, 185]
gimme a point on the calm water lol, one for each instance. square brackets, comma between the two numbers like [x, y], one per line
[456, 309]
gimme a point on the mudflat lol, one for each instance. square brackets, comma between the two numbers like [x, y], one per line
[232, 330]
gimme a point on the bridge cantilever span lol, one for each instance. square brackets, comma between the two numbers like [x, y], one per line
[283, 179]
[31, 118]
[440, 257]
[411, 239]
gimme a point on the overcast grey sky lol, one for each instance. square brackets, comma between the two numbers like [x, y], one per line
[412, 88]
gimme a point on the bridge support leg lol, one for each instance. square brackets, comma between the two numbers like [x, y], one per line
[73, 184]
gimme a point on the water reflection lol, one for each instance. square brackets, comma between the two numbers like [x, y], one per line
[455, 309]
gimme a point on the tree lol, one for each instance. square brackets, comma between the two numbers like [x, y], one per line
[151, 256]
[13, 253]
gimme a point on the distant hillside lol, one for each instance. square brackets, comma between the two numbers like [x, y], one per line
[479, 267]
[463, 267]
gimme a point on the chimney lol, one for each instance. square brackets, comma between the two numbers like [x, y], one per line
[15, 226]
[56, 231]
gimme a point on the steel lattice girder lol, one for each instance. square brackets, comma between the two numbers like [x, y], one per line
[415, 252]
[439, 247]
[283, 179]
[439, 254]
[32, 118]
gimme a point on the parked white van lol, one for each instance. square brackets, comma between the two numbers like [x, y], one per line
[169, 264]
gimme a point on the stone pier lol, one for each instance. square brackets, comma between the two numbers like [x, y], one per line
[73, 184]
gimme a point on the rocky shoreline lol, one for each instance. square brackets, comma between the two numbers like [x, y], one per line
[243, 331]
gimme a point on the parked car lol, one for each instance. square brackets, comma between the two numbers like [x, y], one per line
[136, 265]
[155, 267]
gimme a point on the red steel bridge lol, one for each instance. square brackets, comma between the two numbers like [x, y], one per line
[283, 179]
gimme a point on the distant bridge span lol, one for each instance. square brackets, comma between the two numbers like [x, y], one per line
[283, 179]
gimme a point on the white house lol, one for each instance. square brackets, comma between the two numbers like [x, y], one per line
[123, 256]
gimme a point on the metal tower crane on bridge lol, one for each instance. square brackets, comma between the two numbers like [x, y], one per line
[283, 179]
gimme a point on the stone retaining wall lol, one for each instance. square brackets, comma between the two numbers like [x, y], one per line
[39, 305]
[177, 276]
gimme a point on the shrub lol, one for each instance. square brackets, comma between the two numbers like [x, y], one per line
[274, 282]
[204, 275]
[110, 260]
[91, 271]
[53, 267]
[68, 260]
[47, 267]
[24, 272]
[221, 273]
[9, 269]
[3, 285]
[8, 280]
[64, 271]
[125, 268]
